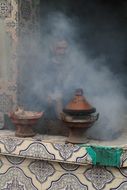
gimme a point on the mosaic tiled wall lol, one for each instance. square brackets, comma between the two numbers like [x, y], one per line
[27, 174]
[28, 15]
[16, 16]
[41, 163]
[8, 65]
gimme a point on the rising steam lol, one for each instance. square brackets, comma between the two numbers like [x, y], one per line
[57, 76]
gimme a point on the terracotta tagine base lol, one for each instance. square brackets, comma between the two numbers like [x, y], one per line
[78, 116]
[77, 135]
[24, 122]
[77, 128]
[24, 127]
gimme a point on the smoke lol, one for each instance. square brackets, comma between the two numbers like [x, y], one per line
[54, 65]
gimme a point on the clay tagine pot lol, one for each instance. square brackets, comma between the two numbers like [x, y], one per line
[78, 115]
[24, 122]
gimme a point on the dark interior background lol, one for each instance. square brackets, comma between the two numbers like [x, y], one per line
[101, 26]
[101, 32]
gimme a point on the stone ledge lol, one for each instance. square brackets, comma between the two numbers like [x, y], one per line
[54, 148]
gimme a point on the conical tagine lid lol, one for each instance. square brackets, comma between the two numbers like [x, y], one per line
[79, 105]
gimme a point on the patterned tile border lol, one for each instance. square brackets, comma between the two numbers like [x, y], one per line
[10, 144]
[66, 150]
[46, 150]
[99, 177]
[47, 175]
[67, 182]
[37, 150]
[42, 170]
[15, 178]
